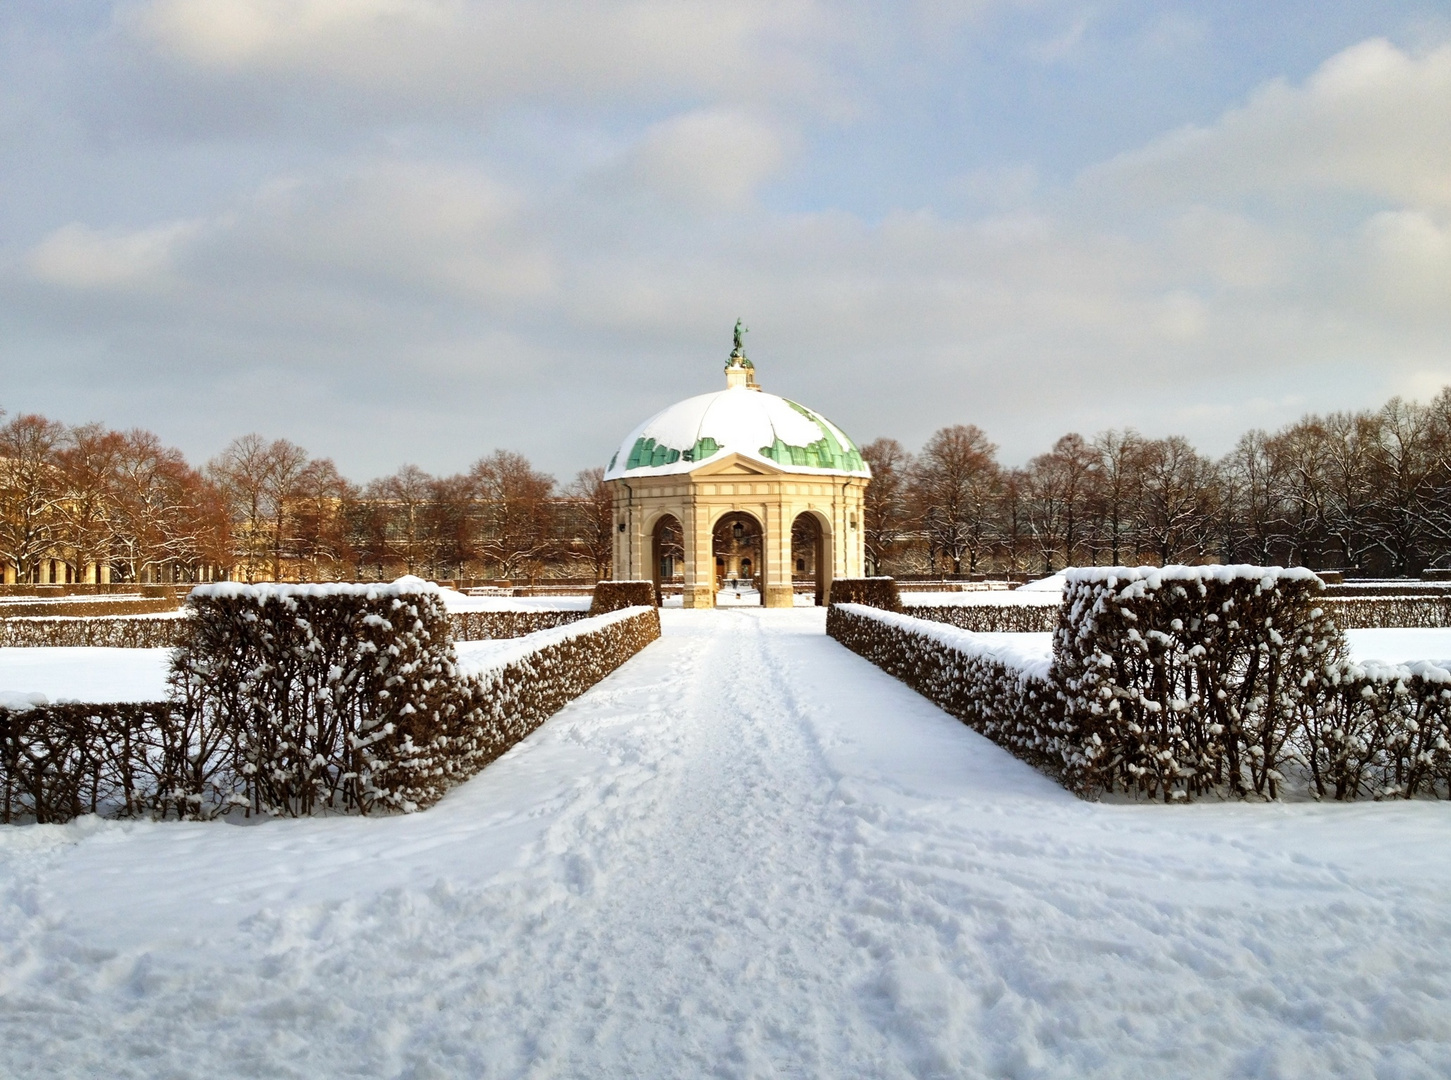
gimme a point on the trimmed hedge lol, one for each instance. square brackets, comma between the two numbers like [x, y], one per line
[511, 701]
[1178, 682]
[60, 761]
[1016, 708]
[89, 608]
[615, 595]
[496, 625]
[1376, 612]
[119, 632]
[152, 633]
[990, 618]
[1185, 679]
[292, 700]
[1419, 610]
[877, 592]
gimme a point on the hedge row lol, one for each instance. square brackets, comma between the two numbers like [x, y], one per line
[1348, 612]
[494, 625]
[1376, 612]
[120, 632]
[1178, 682]
[877, 592]
[84, 608]
[293, 700]
[151, 633]
[990, 618]
[1016, 707]
[127, 760]
[616, 595]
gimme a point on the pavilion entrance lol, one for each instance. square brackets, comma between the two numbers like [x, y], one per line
[737, 549]
[667, 556]
[808, 557]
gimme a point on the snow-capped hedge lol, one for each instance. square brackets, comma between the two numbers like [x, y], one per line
[990, 618]
[1182, 679]
[616, 595]
[58, 761]
[293, 700]
[495, 625]
[106, 631]
[1174, 682]
[1378, 612]
[1379, 730]
[510, 699]
[993, 688]
[130, 605]
[877, 592]
[335, 694]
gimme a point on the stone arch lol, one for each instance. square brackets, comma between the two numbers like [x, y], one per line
[667, 550]
[738, 551]
[811, 552]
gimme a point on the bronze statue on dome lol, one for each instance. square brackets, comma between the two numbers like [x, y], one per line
[740, 349]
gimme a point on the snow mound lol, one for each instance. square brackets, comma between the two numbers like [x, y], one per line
[1052, 584]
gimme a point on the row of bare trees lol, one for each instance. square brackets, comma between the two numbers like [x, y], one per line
[86, 504]
[86, 497]
[1368, 491]
[298, 517]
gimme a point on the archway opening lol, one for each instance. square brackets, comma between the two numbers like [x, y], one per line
[737, 547]
[808, 556]
[667, 556]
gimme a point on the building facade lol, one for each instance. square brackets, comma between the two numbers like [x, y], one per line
[738, 489]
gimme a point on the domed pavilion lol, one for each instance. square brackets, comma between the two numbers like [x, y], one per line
[738, 491]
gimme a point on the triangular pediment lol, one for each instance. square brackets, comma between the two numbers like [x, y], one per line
[735, 465]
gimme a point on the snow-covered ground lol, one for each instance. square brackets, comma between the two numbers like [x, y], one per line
[94, 674]
[85, 674]
[1397, 646]
[457, 601]
[747, 853]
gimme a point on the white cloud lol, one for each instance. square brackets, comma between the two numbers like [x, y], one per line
[710, 159]
[1371, 120]
[477, 53]
[78, 257]
[1410, 260]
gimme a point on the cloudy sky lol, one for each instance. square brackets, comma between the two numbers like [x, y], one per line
[417, 230]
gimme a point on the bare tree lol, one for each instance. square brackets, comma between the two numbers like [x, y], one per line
[405, 494]
[31, 492]
[1178, 499]
[318, 520]
[955, 484]
[592, 535]
[1116, 492]
[260, 480]
[1404, 467]
[1060, 489]
[88, 464]
[516, 510]
[887, 508]
[150, 483]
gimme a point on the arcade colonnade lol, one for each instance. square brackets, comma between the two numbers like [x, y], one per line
[774, 500]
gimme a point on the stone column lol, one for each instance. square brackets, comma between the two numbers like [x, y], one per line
[699, 589]
[776, 553]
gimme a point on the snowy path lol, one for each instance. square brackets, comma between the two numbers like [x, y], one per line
[748, 853]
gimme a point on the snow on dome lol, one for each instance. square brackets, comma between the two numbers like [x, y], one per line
[740, 420]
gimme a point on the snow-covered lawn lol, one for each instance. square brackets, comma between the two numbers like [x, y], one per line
[86, 674]
[746, 853]
[1395, 646]
[457, 601]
